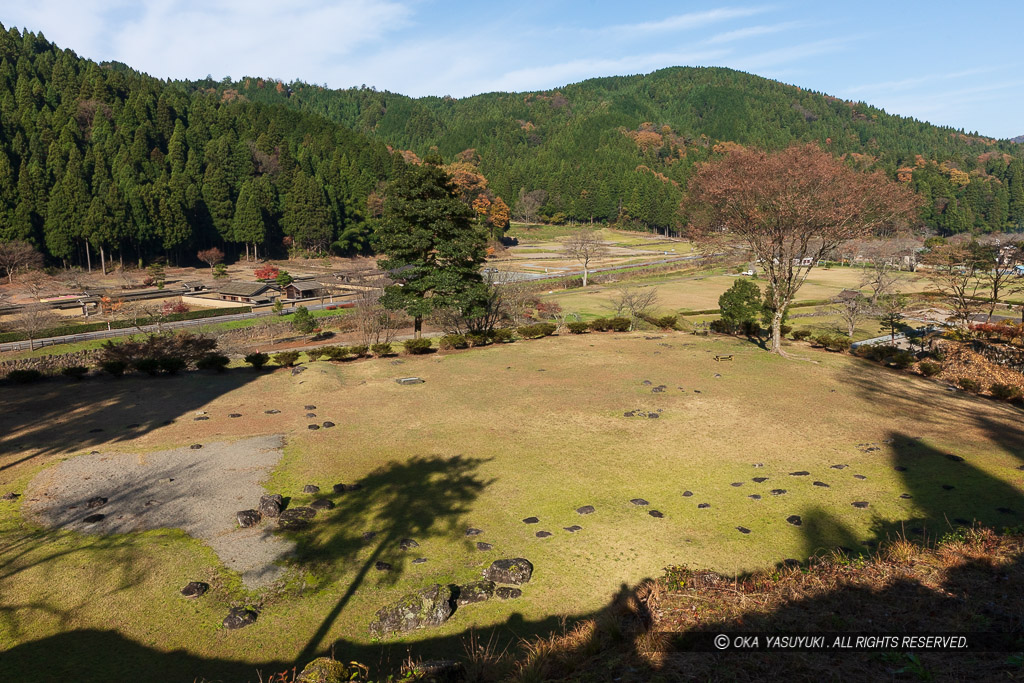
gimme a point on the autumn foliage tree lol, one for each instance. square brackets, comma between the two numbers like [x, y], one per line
[791, 208]
[211, 256]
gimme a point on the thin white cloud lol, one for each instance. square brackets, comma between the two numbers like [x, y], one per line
[792, 53]
[552, 75]
[188, 39]
[683, 22]
[752, 32]
[905, 83]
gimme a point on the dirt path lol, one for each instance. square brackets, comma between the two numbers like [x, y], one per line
[196, 490]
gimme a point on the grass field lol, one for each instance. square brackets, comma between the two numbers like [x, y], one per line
[493, 436]
[689, 292]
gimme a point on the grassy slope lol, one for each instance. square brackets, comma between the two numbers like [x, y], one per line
[488, 440]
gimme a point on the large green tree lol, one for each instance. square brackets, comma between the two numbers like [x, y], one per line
[433, 248]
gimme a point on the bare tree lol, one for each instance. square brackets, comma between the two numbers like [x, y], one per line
[997, 273]
[954, 270]
[18, 255]
[502, 299]
[529, 203]
[33, 319]
[852, 310]
[584, 246]
[376, 324]
[883, 259]
[791, 208]
[636, 302]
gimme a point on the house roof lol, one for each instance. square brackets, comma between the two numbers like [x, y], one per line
[243, 288]
[847, 295]
[306, 285]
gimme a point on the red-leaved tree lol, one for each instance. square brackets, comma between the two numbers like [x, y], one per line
[791, 208]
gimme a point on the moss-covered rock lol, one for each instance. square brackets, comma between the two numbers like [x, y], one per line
[324, 670]
[516, 570]
[429, 606]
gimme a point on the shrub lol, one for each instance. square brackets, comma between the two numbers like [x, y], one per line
[785, 329]
[619, 324]
[903, 359]
[801, 335]
[335, 353]
[968, 384]
[536, 331]
[213, 361]
[721, 326]
[1005, 392]
[383, 349]
[503, 335]
[665, 322]
[838, 342]
[286, 359]
[172, 365]
[257, 360]
[599, 324]
[416, 347]
[359, 350]
[75, 371]
[529, 331]
[578, 327]
[24, 376]
[929, 369]
[453, 341]
[150, 366]
[315, 354]
[114, 367]
[478, 338]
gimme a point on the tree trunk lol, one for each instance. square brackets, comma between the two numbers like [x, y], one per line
[103, 260]
[88, 257]
[851, 328]
[246, 252]
[584, 274]
[777, 331]
[417, 326]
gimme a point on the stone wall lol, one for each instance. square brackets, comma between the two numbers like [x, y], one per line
[1001, 354]
[51, 364]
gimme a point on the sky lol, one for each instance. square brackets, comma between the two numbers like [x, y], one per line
[959, 64]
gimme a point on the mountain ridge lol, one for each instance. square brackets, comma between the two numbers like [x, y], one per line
[620, 148]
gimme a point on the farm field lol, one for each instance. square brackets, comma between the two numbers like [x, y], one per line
[727, 452]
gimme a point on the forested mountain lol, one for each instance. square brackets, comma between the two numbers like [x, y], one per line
[102, 161]
[99, 160]
[621, 148]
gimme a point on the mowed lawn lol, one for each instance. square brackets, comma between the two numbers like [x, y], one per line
[687, 292]
[491, 437]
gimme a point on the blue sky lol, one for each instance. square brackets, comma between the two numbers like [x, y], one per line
[951, 63]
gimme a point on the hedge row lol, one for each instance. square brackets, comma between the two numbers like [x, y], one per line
[122, 324]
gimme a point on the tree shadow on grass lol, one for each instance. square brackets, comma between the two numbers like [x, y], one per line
[57, 416]
[402, 503]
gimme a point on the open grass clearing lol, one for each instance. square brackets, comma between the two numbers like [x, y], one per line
[495, 435]
[696, 292]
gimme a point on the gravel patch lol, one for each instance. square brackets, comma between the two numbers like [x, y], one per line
[198, 492]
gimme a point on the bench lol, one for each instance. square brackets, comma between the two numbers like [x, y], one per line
[721, 358]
